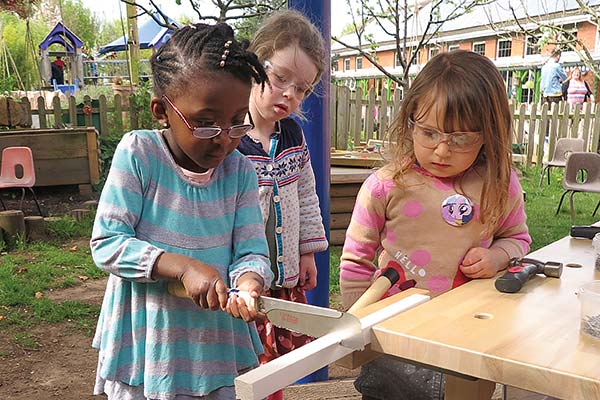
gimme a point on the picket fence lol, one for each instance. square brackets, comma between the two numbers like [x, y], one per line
[357, 117]
[121, 113]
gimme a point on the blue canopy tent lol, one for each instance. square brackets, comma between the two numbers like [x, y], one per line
[150, 34]
[63, 36]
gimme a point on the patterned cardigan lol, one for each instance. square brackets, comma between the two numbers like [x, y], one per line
[288, 200]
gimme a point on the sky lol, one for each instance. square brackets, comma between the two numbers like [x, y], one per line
[109, 10]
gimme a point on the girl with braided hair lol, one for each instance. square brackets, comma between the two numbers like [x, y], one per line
[181, 203]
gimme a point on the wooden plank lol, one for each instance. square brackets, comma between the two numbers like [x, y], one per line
[341, 175]
[49, 146]
[357, 116]
[344, 190]
[70, 171]
[118, 116]
[553, 129]
[342, 126]
[93, 155]
[563, 121]
[342, 204]
[521, 124]
[337, 237]
[102, 110]
[574, 131]
[596, 129]
[285, 370]
[27, 109]
[542, 128]
[133, 113]
[369, 114]
[72, 111]
[339, 220]
[87, 117]
[333, 115]
[382, 115]
[587, 117]
[57, 112]
[531, 135]
[42, 112]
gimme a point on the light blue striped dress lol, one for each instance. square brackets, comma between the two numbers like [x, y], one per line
[146, 336]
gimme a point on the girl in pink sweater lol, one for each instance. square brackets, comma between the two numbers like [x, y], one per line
[447, 209]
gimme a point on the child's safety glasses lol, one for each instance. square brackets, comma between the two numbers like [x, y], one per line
[281, 81]
[460, 142]
[209, 132]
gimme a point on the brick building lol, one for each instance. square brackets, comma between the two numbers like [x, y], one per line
[489, 30]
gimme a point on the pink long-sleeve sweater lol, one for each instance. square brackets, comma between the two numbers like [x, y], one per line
[406, 228]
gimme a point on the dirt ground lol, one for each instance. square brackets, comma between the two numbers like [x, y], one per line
[54, 201]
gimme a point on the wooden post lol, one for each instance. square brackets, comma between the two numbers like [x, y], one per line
[12, 225]
[35, 228]
[133, 43]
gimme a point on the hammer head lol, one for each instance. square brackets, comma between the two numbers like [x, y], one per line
[553, 269]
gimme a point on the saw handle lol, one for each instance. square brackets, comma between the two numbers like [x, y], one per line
[373, 294]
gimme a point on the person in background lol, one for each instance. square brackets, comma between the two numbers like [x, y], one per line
[292, 52]
[552, 77]
[448, 208]
[575, 89]
[58, 70]
[94, 70]
[181, 204]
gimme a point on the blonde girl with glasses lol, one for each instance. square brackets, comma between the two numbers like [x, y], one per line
[181, 204]
[291, 50]
[447, 209]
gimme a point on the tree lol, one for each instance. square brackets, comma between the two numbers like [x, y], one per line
[220, 11]
[74, 15]
[403, 22]
[548, 27]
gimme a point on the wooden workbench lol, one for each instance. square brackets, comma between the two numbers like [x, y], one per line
[529, 339]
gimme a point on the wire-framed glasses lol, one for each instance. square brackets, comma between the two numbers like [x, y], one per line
[461, 142]
[209, 132]
[281, 81]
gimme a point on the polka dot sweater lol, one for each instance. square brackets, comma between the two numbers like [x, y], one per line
[405, 226]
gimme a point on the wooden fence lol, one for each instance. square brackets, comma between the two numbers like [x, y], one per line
[358, 117]
[122, 113]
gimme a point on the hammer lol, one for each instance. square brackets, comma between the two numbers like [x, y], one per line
[521, 269]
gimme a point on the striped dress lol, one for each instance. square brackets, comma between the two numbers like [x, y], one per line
[146, 336]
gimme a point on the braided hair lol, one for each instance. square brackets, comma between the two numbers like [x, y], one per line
[201, 48]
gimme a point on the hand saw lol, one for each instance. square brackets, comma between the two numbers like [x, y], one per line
[308, 319]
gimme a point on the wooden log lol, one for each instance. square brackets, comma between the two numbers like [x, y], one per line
[12, 224]
[349, 189]
[80, 214]
[283, 371]
[91, 204]
[35, 228]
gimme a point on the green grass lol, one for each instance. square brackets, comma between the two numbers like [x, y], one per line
[32, 270]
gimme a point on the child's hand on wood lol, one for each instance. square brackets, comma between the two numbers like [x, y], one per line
[480, 262]
[308, 272]
[251, 283]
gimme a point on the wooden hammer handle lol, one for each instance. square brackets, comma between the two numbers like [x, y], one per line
[373, 294]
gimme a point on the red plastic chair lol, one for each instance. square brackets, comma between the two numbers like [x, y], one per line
[11, 177]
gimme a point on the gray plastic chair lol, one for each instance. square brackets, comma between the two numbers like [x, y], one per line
[589, 166]
[563, 149]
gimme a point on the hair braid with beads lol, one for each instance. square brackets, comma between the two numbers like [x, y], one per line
[199, 49]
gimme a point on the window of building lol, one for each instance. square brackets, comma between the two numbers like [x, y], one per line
[532, 46]
[504, 47]
[396, 59]
[453, 47]
[479, 48]
[415, 61]
[433, 51]
[346, 64]
[359, 63]
[334, 65]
